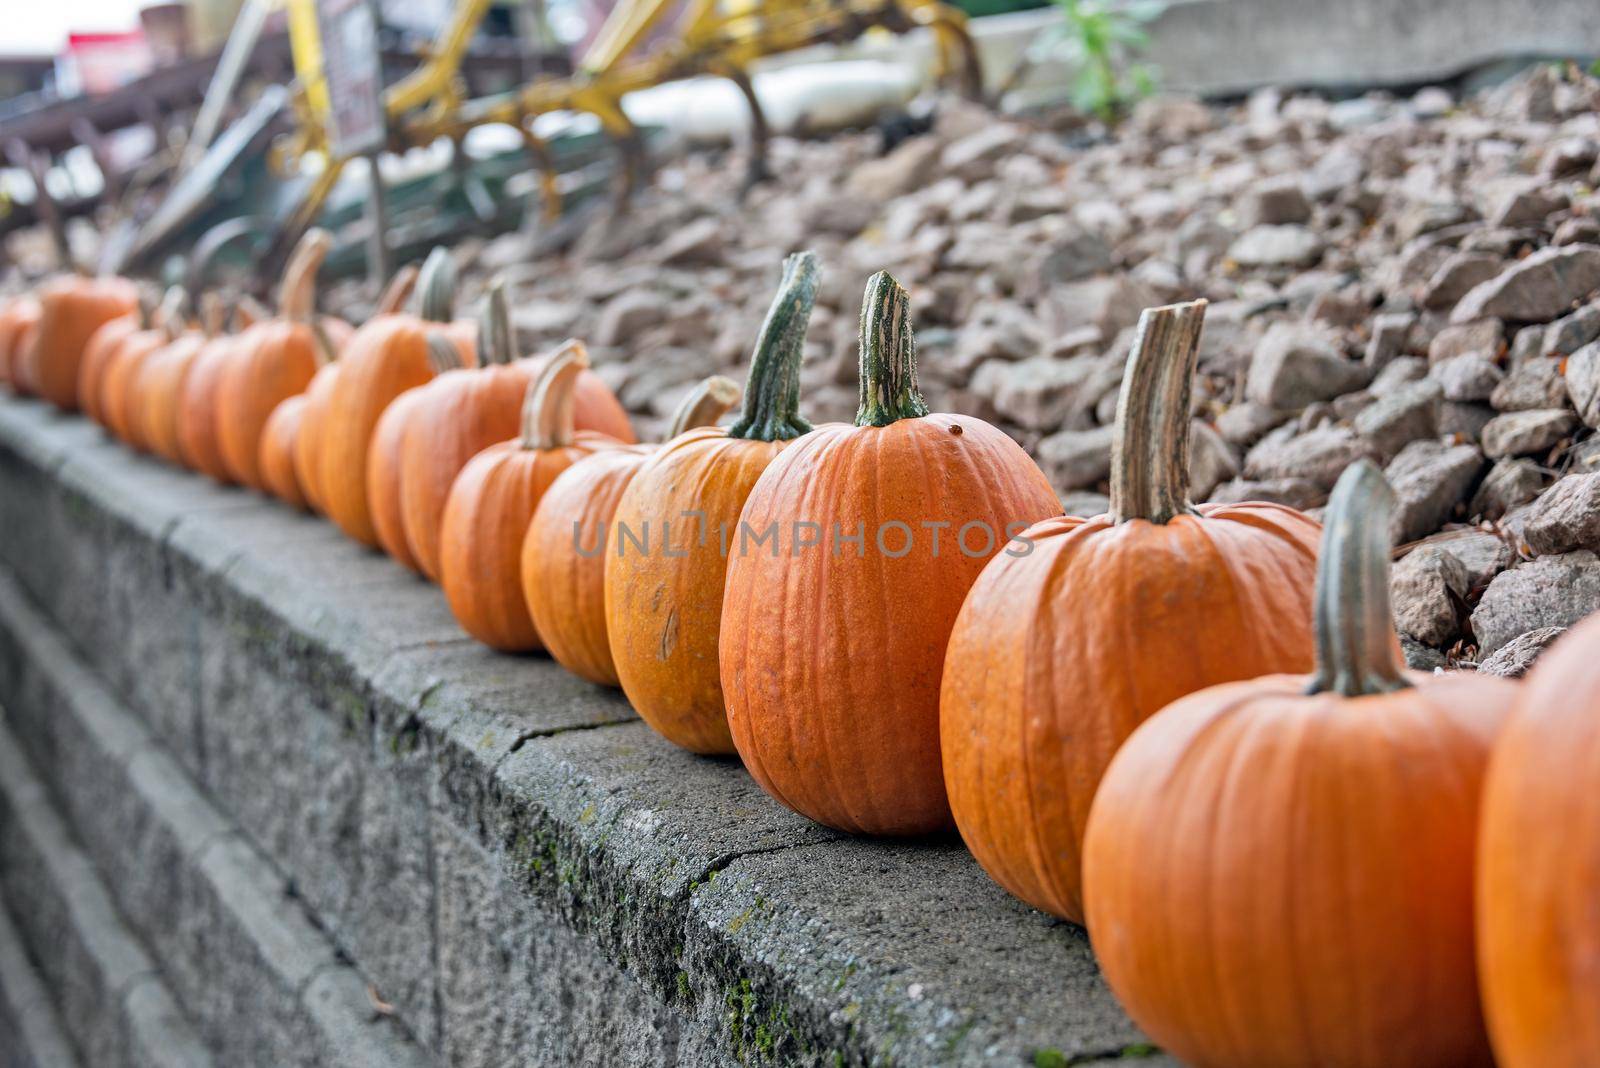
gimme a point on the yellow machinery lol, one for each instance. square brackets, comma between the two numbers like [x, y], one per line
[711, 37]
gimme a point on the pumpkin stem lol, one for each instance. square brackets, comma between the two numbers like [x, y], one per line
[168, 316]
[436, 287]
[247, 313]
[495, 342]
[547, 411]
[772, 391]
[705, 404]
[1353, 621]
[212, 314]
[297, 299]
[889, 390]
[398, 291]
[1150, 452]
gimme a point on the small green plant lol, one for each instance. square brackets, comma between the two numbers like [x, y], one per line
[1100, 40]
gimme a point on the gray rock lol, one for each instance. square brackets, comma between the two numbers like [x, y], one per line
[1515, 658]
[1085, 505]
[1464, 420]
[1430, 478]
[1552, 591]
[1456, 276]
[1001, 330]
[1069, 257]
[1537, 289]
[974, 155]
[1077, 459]
[1400, 416]
[627, 315]
[1293, 492]
[1428, 588]
[1243, 424]
[1112, 303]
[1580, 229]
[1212, 460]
[1398, 372]
[1535, 383]
[1274, 202]
[1482, 554]
[1040, 393]
[1479, 338]
[1419, 657]
[1295, 365]
[1528, 207]
[900, 172]
[1526, 433]
[1466, 378]
[1389, 332]
[1565, 517]
[1319, 456]
[1509, 484]
[1569, 156]
[1571, 332]
[1277, 246]
[1583, 382]
[700, 243]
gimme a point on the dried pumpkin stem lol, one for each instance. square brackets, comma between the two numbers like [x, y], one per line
[1150, 451]
[298, 297]
[436, 287]
[1351, 614]
[772, 391]
[398, 291]
[168, 316]
[495, 341]
[889, 390]
[247, 313]
[705, 404]
[547, 411]
[212, 314]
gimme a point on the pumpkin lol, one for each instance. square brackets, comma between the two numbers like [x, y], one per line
[383, 475]
[467, 410]
[390, 354]
[158, 385]
[279, 475]
[197, 404]
[664, 563]
[1539, 866]
[71, 309]
[563, 555]
[98, 351]
[1279, 871]
[121, 370]
[273, 360]
[17, 323]
[1062, 650]
[832, 649]
[493, 500]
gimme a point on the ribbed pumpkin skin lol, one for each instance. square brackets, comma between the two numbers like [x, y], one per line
[383, 476]
[1059, 654]
[1539, 866]
[273, 361]
[157, 390]
[306, 443]
[485, 520]
[278, 474]
[71, 309]
[122, 371]
[17, 323]
[564, 560]
[465, 412]
[831, 663]
[386, 357]
[97, 354]
[1276, 879]
[664, 611]
[196, 420]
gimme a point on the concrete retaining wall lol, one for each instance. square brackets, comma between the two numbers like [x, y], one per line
[298, 780]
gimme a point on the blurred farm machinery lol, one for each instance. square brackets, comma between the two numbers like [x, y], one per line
[251, 189]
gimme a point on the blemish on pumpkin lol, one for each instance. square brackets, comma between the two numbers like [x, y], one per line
[955, 428]
[669, 634]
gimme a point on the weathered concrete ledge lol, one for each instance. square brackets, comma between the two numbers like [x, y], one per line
[522, 869]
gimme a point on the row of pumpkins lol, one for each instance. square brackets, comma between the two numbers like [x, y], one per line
[1285, 866]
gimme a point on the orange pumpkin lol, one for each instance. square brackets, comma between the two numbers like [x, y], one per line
[563, 555]
[71, 309]
[101, 347]
[492, 503]
[467, 410]
[272, 361]
[832, 650]
[1280, 871]
[160, 381]
[1539, 866]
[17, 323]
[197, 405]
[383, 476]
[279, 476]
[117, 402]
[664, 560]
[1153, 601]
[390, 354]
